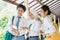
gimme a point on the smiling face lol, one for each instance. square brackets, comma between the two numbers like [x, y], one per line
[20, 11]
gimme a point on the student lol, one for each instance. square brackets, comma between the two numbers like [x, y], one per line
[48, 28]
[34, 26]
[18, 23]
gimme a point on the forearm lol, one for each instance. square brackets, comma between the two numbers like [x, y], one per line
[25, 28]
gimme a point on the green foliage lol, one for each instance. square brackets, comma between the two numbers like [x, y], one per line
[3, 23]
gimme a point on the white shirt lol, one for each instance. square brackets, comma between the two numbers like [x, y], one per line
[48, 27]
[34, 28]
[23, 22]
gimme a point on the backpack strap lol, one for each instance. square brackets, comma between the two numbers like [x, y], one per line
[13, 19]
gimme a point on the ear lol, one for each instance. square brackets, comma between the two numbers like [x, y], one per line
[46, 12]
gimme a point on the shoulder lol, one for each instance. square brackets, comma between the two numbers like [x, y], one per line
[13, 16]
[47, 18]
[37, 22]
[22, 18]
[10, 17]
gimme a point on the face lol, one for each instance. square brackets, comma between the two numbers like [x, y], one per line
[31, 15]
[20, 11]
[42, 13]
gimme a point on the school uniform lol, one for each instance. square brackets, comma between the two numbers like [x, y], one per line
[17, 24]
[48, 27]
[34, 30]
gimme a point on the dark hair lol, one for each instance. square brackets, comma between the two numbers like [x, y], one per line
[21, 6]
[45, 8]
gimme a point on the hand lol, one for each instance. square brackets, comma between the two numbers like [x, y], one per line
[24, 28]
[15, 31]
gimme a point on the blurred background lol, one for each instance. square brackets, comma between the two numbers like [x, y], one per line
[8, 8]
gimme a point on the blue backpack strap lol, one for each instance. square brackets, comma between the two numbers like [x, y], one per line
[13, 19]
